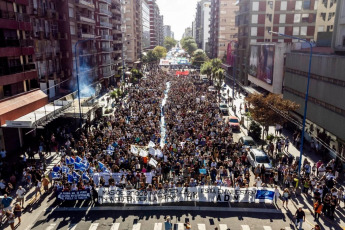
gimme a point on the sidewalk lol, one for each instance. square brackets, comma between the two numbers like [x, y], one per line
[295, 201]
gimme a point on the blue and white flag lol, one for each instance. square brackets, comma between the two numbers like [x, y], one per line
[78, 159]
[79, 166]
[85, 177]
[101, 165]
[76, 176]
[70, 178]
[110, 150]
[91, 171]
[65, 169]
[68, 161]
[72, 160]
[56, 168]
[55, 175]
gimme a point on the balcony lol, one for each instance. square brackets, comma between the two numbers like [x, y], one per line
[85, 35]
[106, 1]
[85, 19]
[5, 70]
[106, 62]
[108, 74]
[106, 49]
[85, 3]
[105, 11]
[107, 37]
[106, 24]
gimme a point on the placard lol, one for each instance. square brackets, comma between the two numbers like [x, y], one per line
[74, 195]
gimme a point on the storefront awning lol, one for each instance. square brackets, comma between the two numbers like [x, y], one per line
[15, 107]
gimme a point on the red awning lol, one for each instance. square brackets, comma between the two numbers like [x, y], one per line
[21, 104]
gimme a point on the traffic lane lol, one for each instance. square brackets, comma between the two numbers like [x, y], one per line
[147, 219]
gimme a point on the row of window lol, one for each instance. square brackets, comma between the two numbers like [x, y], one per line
[299, 5]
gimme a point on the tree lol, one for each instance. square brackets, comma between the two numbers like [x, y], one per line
[169, 43]
[265, 109]
[189, 45]
[219, 76]
[199, 57]
[150, 58]
[160, 51]
[206, 68]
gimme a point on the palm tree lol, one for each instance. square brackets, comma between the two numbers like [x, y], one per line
[206, 68]
[219, 76]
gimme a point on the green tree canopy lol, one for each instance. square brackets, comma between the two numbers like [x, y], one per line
[199, 57]
[206, 68]
[189, 45]
[169, 43]
[160, 51]
[150, 57]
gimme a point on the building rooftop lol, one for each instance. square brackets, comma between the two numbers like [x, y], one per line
[316, 50]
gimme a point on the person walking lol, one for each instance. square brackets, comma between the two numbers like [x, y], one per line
[318, 206]
[20, 195]
[168, 224]
[6, 203]
[10, 219]
[17, 212]
[300, 217]
[286, 197]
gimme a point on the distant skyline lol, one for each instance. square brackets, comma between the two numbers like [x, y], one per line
[179, 14]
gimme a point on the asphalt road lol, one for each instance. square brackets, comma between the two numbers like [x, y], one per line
[148, 220]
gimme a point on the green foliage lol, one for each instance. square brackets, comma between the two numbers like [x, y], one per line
[160, 51]
[206, 68]
[199, 57]
[270, 137]
[255, 130]
[189, 45]
[150, 57]
[169, 43]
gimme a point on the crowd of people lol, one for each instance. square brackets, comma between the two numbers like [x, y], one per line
[197, 149]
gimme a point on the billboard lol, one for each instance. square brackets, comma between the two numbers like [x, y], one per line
[261, 62]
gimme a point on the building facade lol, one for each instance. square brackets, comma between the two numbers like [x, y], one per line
[338, 40]
[256, 18]
[222, 27]
[326, 107]
[202, 23]
[161, 30]
[132, 26]
[146, 25]
[154, 23]
[167, 31]
[325, 16]
[187, 32]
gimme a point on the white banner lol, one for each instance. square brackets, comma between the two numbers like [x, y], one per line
[198, 194]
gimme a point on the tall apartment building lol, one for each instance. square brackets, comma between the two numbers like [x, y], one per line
[222, 26]
[145, 24]
[160, 30]
[338, 40]
[187, 32]
[167, 31]
[325, 16]
[256, 18]
[203, 23]
[132, 24]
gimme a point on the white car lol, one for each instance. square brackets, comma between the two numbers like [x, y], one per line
[258, 157]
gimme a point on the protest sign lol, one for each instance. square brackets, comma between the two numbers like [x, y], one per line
[74, 195]
[153, 162]
[143, 153]
[198, 194]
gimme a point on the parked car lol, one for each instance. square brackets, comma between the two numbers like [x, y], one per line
[224, 109]
[234, 123]
[247, 141]
[212, 89]
[258, 157]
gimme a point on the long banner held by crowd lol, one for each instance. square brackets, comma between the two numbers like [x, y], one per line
[74, 195]
[198, 194]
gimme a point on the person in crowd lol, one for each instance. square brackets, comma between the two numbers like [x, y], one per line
[299, 217]
[20, 195]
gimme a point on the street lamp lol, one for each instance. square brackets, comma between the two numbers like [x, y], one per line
[306, 97]
[77, 70]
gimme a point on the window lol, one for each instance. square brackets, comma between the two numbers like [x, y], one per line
[72, 28]
[255, 6]
[269, 16]
[298, 5]
[252, 41]
[268, 29]
[254, 31]
[330, 16]
[283, 5]
[255, 18]
[282, 18]
[297, 18]
[270, 4]
[282, 30]
[343, 41]
[320, 29]
[280, 40]
[304, 30]
[305, 17]
[330, 28]
[295, 30]
[71, 12]
[316, 4]
[306, 4]
[323, 16]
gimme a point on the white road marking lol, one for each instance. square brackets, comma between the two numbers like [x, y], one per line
[136, 226]
[267, 228]
[179, 226]
[51, 226]
[93, 226]
[245, 227]
[223, 227]
[201, 227]
[158, 226]
[115, 226]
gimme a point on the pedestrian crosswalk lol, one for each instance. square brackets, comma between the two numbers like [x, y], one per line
[160, 226]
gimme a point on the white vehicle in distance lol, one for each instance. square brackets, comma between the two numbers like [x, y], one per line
[258, 157]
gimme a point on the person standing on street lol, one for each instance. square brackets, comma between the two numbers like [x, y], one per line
[168, 224]
[300, 217]
[17, 212]
[20, 196]
[6, 203]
